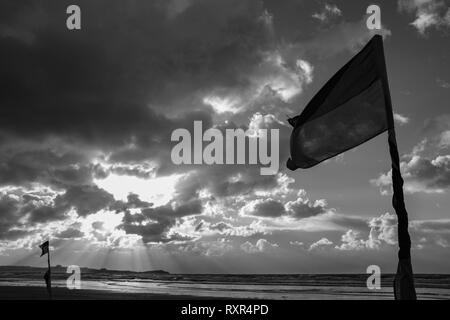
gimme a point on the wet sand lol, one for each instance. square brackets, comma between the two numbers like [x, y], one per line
[25, 292]
[40, 293]
[27, 283]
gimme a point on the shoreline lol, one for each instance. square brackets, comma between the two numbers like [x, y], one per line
[60, 293]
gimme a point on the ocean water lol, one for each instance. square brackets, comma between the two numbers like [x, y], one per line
[290, 286]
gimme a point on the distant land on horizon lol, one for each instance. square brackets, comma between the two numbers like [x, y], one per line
[60, 268]
[85, 270]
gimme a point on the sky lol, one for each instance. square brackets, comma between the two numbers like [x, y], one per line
[86, 119]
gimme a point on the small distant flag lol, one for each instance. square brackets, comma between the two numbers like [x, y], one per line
[45, 247]
[353, 107]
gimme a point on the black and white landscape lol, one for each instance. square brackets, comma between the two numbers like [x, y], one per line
[87, 116]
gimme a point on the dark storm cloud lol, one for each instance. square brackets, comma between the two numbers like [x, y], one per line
[120, 86]
[427, 167]
[227, 181]
[133, 201]
[22, 210]
[199, 227]
[422, 174]
[269, 208]
[70, 233]
[44, 213]
[220, 226]
[94, 88]
[303, 208]
[107, 84]
[9, 218]
[153, 224]
[132, 170]
[13, 210]
[96, 85]
[433, 173]
[85, 199]
[218, 181]
[297, 209]
[156, 145]
[59, 169]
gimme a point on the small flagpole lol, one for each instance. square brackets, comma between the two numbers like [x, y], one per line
[49, 273]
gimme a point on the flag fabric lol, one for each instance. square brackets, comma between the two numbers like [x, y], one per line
[44, 248]
[353, 107]
[349, 110]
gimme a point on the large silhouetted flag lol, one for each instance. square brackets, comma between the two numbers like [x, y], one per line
[351, 108]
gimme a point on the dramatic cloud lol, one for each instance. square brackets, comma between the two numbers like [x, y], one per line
[421, 175]
[85, 199]
[350, 241]
[153, 224]
[401, 119]
[111, 118]
[262, 245]
[324, 242]
[23, 165]
[264, 208]
[427, 168]
[330, 11]
[117, 90]
[429, 13]
[443, 84]
[382, 230]
[87, 116]
[10, 218]
[215, 248]
[345, 36]
[70, 234]
[300, 208]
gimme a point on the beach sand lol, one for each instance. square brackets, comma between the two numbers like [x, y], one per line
[27, 283]
[25, 292]
[40, 293]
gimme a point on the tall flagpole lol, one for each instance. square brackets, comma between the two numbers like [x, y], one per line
[49, 274]
[404, 280]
